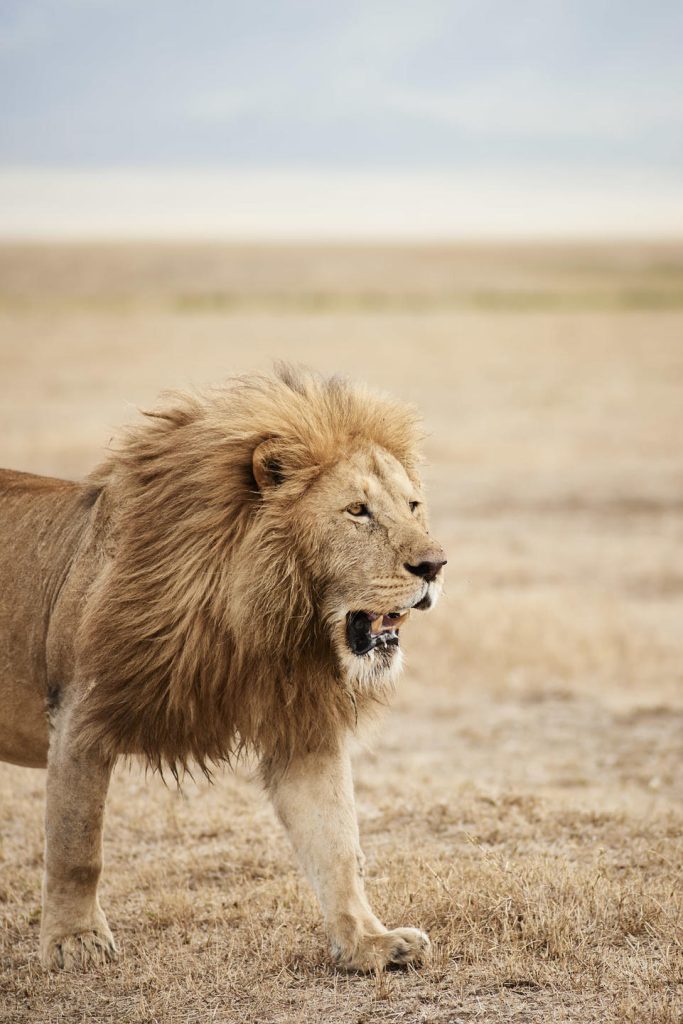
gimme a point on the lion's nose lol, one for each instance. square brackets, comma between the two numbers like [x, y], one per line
[428, 570]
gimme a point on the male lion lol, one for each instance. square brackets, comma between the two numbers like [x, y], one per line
[233, 576]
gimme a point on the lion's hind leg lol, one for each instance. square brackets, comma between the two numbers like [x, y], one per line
[74, 931]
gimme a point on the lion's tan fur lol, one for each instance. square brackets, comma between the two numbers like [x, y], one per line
[194, 597]
[194, 635]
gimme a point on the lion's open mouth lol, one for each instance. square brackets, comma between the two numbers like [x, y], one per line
[367, 630]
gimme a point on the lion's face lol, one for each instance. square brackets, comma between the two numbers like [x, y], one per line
[364, 531]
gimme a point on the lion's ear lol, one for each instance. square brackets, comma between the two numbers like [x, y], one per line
[266, 464]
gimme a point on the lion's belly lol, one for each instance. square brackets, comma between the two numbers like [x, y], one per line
[23, 725]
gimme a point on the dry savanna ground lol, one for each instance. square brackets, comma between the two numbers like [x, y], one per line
[523, 798]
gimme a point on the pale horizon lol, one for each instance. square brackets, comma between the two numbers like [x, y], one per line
[304, 204]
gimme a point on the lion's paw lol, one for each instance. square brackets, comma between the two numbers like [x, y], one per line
[399, 947]
[406, 946]
[79, 951]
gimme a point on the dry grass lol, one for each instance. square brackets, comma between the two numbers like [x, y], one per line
[523, 799]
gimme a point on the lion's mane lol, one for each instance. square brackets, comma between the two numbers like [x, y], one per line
[201, 635]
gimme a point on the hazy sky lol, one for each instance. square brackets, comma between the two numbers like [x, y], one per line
[420, 85]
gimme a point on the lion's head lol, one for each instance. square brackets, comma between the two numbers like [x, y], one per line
[337, 553]
[269, 541]
[358, 530]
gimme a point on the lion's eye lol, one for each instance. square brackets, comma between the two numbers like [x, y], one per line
[414, 505]
[358, 509]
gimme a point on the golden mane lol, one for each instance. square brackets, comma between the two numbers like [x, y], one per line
[201, 632]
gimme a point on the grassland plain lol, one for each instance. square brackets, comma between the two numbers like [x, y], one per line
[523, 798]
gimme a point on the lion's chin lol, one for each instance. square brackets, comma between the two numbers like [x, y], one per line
[376, 669]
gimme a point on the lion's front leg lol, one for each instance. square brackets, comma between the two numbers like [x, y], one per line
[314, 800]
[74, 931]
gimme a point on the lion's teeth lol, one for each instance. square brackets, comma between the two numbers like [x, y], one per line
[394, 621]
[376, 624]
